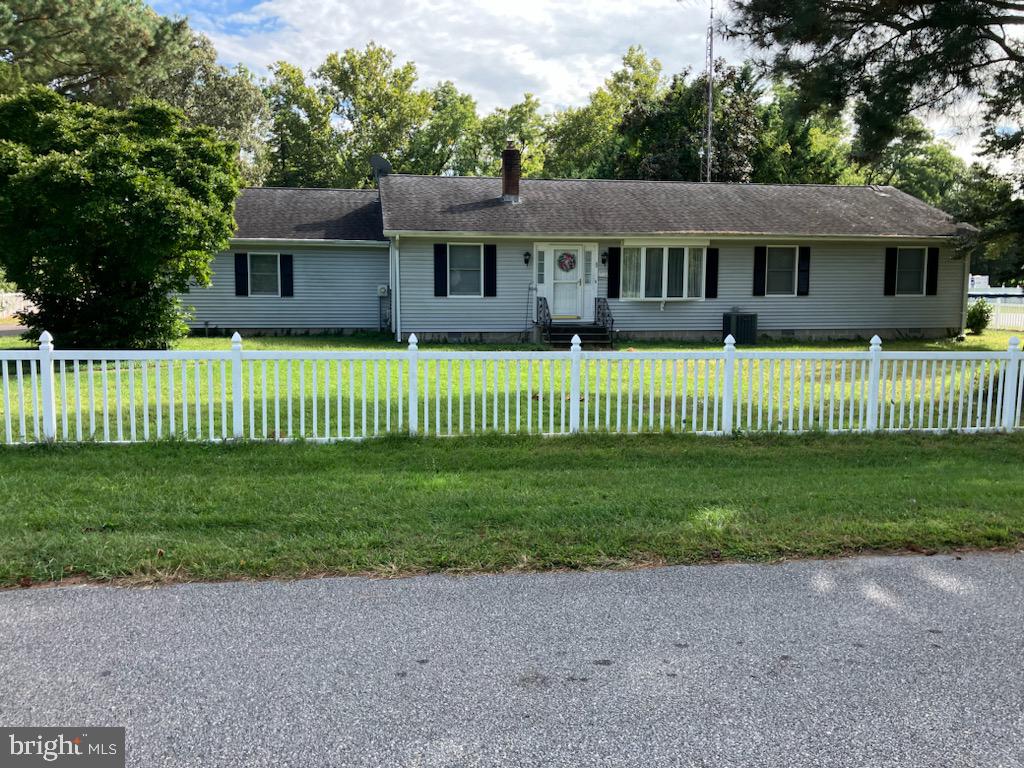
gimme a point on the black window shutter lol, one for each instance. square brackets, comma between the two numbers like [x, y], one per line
[490, 269]
[241, 274]
[760, 268]
[287, 275]
[440, 269]
[614, 271]
[932, 278]
[890, 271]
[803, 271]
[711, 274]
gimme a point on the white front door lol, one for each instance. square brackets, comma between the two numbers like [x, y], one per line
[567, 282]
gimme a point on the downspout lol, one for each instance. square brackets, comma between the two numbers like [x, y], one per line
[396, 245]
[965, 286]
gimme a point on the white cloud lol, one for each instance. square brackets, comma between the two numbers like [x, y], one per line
[559, 50]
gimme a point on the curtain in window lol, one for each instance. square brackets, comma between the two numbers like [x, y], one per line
[630, 273]
[695, 276]
[676, 272]
[653, 275]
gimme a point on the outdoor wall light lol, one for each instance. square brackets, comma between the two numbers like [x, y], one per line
[604, 257]
[526, 258]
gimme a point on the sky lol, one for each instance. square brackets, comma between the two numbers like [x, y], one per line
[495, 50]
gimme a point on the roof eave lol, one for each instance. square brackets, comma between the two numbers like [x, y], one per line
[689, 234]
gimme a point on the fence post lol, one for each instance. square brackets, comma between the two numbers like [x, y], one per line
[414, 384]
[237, 428]
[574, 384]
[874, 370]
[46, 380]
[727, 385]
[1010, 384]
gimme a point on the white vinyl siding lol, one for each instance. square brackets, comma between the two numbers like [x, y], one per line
[847, 292]
[334, 288]
[510, 311]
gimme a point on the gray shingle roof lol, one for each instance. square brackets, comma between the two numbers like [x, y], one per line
[592, 207]
[308, 214]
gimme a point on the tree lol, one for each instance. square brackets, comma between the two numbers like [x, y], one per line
[106, 215]
[582, 141]
[304, 149]
[795, 148]
[523, 124]
[378, 105]
[358, 104]
[664, 138]
[895, 58]
[448, 141]
[228, 100]
[916, 163]
[988, 200]
[104, 51]
[110, 52]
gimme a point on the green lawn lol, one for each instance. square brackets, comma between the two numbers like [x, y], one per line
[173, 511]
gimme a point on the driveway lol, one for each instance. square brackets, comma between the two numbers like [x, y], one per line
[897, 661]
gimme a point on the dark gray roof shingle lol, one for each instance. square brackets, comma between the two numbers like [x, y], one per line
[593, 207]
[308, 214]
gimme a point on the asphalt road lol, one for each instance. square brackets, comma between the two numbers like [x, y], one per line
[903, 661]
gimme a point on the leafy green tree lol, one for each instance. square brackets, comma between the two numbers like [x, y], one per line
[664, 138]
[378, 105]
[448, 141]
[583, 141]
[989, 201]
[230, 101]
[524, 124]
[304, 149]
[801, 149]
[107, 215]
[916, 163]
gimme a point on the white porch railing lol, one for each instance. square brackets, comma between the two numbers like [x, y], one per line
[133, 396]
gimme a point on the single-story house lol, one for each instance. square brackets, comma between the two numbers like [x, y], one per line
[450, 257]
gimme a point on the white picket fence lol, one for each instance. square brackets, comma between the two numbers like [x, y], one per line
[1008, 317]
[132, 396]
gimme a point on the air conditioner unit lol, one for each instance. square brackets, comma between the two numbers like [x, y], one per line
[742, 326]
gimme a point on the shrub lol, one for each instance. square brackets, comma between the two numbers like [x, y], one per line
[106, 216]
[979, 315]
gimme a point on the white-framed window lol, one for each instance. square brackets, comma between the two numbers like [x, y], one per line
[540, 266]
[780, 270]
[264, 274]
[911, 265]
[465, 269]
[662, 273]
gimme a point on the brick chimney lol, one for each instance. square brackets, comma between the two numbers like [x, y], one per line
[511, 171]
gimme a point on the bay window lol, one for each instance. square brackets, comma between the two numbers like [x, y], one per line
[662, 273]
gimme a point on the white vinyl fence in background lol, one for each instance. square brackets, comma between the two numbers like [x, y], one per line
[1008, 317]
[133, 396]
